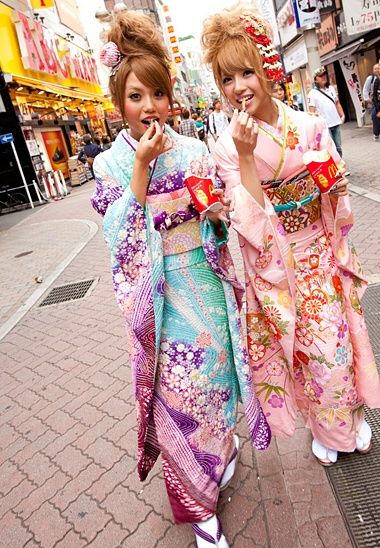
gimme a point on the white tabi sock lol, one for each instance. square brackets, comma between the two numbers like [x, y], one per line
[211, 529]
[364, 435]
[324, 453]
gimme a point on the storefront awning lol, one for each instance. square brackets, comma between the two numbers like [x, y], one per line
[74, 93]
[342, 52]
[368, 45]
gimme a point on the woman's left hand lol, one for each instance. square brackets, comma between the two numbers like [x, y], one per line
[340, 189]
[220, 215]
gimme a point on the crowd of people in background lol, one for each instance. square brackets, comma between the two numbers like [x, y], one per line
[207, 124]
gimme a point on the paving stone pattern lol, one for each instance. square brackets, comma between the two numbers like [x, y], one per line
[361, 154]
[33, 251]
[68, 435]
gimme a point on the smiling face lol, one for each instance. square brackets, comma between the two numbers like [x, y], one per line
[245, 84]
[143, 105]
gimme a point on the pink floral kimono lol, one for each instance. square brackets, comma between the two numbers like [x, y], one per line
[307, 340]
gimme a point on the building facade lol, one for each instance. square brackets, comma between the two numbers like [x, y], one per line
[51, 87]
[343, 35]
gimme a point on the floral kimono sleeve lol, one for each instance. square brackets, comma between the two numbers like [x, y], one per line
[138, 288]
[258, 226]
[125, 232]
[337, 213]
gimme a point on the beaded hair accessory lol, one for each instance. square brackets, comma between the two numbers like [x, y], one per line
[111, 57]
[269, 56]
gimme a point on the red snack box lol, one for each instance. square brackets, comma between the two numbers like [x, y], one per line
[201, 192]
[322, 168]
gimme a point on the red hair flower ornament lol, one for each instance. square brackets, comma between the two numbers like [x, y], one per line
[271, 60]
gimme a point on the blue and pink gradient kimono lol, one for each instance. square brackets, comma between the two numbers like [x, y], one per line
[175, 283]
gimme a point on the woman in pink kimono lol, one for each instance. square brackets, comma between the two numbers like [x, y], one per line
[308, 344]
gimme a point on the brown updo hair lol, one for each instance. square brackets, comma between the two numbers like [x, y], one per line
[144, 53]
[228, 47]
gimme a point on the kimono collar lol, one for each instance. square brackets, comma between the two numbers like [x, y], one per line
[276, 132]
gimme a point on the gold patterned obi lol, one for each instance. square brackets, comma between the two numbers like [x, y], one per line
[177, 221]
[296, 190]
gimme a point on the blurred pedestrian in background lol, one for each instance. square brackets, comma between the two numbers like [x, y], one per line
[173, 124]
[106, 142]
[200, 127]
[376, 109]
[187, 126]
[279, 91]
[323, 99]
[89, 152]
[369, 84]
[217, 122]
[371, 101]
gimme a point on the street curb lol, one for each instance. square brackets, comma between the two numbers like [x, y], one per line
[375, 196]
[37, 294]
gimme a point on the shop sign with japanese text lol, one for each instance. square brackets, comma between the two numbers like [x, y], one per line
[361, 15]
[326, 6]
[326, 35]
[306, 13]
[341, 30]
[43, 51]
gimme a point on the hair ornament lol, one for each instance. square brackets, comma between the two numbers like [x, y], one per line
[271, 60]
[111, 57]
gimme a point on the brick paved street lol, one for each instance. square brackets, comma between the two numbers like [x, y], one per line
[362, 156]
[67, 420]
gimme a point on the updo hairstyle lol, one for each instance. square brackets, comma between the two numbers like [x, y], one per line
[227, 46]
[144, 53]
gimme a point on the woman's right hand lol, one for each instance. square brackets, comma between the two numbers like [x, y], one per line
[244, 133]
[153, 143]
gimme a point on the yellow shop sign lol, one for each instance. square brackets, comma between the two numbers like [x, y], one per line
[42, 51]
[31, 51]
[38, 4]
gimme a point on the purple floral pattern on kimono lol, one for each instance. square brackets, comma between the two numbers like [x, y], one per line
[139, 280]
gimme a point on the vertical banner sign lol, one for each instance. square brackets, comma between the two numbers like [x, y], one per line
[351, 74]
[38, 4]
[56, 150]
[361, 15]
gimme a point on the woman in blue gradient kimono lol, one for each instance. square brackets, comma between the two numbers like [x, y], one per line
[175, 283]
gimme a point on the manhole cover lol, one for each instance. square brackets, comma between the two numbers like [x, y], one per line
[356, 478]
[68, 292]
